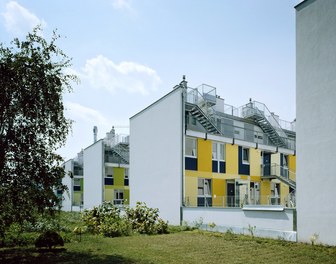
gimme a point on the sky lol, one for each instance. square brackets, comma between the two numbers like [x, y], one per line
[129, 53]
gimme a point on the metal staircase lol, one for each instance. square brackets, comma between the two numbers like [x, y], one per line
[200, 106]
[259, 113]
[204, 120]
[275, 171]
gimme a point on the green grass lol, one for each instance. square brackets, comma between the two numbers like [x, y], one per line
[182, 247]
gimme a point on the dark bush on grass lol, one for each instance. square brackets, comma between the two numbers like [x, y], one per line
[49, 239]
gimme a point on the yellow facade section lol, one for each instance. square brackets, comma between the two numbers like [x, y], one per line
[191, 187]
[231, 159]
[284, 191]
[275, 158]
[255, 162]
[265, 191]
[218, 192]
[292, 167]
[204, 155]
[109, 194]
[77, 198]
[126, 196]
[119, 175]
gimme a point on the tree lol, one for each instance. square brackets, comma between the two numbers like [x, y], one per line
[32, 126]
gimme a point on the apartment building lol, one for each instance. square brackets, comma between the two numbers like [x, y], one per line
[99, 173]
[191, 150]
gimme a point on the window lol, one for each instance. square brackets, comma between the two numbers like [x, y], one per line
[76, 185]
[214, 151]
[285, 160]
[246, 155]
[221, 151]
[109, 171]
[118, 197]
[204, 187]
[126, 179]
[218, 151]
[190, 147]
[193, 121]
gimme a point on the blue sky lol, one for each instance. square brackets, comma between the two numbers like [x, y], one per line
[129, 53]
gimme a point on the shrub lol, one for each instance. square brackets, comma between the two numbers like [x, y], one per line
[145, 220]
[49, 239]
[107, 220]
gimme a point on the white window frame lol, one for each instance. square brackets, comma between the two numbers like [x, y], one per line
[206, 185]
[217, 146]
[244, 161]
[116, 198]
[194, 150]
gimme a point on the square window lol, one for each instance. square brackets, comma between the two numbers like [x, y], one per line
[190, 147]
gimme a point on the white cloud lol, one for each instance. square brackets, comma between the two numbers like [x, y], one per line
[19, 20]
[131, 77]
[121, 4]
[78, 111]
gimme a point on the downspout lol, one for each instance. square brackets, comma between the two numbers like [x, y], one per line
[183, 86]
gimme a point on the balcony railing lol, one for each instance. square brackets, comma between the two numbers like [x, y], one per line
[239, 201]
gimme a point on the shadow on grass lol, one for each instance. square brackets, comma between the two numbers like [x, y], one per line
[58, 255]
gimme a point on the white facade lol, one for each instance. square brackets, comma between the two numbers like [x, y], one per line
[316, 120]
[156, 156]
[93, 174]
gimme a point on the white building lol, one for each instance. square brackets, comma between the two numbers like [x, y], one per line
[316, 120]
[192, 156]
[99, 173]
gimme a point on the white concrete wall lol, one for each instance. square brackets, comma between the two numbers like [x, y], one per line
[156, 156]
[272, 224]
[67, 196]
[316, 120]
[93, 174]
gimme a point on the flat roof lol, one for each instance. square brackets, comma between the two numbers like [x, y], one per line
[303, 4]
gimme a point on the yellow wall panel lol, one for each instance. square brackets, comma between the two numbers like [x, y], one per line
[191, 185]
[231, 159]
[119, 174]
[218, 189]
[292, 167]
[275, 158]
[284, 191]
[255, 162]
[109, 194]
[265, 191]
[204, 155]
[126, 196]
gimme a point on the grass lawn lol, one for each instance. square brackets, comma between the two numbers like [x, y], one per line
[183, 247]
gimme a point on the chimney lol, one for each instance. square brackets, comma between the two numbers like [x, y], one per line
[95, 132]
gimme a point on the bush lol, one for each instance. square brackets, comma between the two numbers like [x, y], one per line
[49, 239]
[145, 220]
[107, 220]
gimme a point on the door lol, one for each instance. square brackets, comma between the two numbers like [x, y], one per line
[230, 194]
[267, 164]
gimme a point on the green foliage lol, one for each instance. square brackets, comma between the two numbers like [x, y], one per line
[108, 220]
[145, 220]
[49, 239]
[32, 127]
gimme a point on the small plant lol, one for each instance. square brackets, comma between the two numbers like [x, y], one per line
[212, 225]
[251, 229]
[49, 239]
[229, 232]
[198, 223]
[314, 238]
